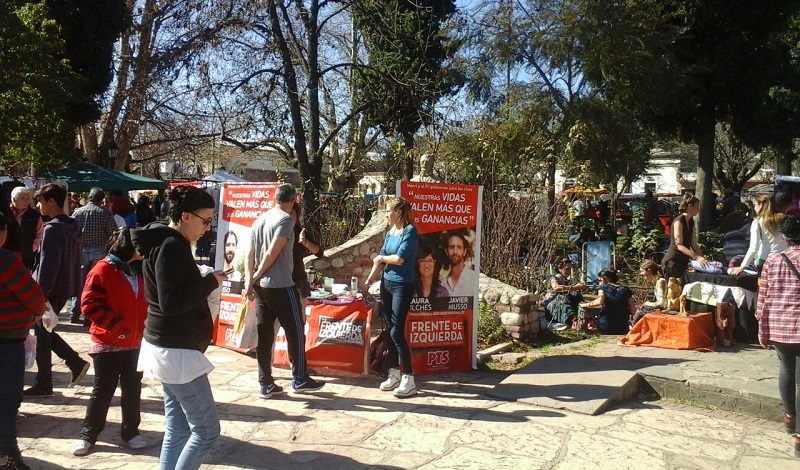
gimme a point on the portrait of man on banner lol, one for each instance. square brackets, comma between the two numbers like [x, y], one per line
[461, 277]
[231, 242]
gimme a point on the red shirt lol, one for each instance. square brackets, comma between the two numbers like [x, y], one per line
[21, 299]
[778, 310]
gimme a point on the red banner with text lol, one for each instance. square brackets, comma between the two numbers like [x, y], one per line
[240, 204]
[337, 337]
[442, 321]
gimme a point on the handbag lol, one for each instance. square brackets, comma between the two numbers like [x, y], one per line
[379, 353]
[247, 336]
[241, 313]
[30, 350]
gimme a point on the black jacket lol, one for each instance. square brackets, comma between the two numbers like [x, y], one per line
[176, 293]
[27, 231]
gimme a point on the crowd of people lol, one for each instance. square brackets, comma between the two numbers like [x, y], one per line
[137, 286]
[749, 242]
[146, 305]
[761, 240]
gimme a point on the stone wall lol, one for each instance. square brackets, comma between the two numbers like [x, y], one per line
[515, 309]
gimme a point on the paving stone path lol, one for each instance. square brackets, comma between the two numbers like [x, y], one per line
[452, 424]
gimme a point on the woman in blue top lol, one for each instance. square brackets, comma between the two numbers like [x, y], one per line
[396, 259]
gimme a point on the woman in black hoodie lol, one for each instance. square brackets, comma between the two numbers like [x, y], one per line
[179, 327]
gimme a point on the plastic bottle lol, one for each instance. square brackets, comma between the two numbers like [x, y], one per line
[311, 275]
[354, 284]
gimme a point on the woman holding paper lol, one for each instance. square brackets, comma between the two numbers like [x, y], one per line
[178, 328]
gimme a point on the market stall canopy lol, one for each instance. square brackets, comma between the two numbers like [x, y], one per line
[223, 176]
[85, 176]
[579, 191]
[642, 195]
[759, 189]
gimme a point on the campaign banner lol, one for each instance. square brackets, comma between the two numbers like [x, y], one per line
[337, 337]
[442, 321]
[240, 204]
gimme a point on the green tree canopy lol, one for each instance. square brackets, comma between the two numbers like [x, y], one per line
[406, 73]
[35, 87]
[607, 145]
[681, 66]
[89, 29]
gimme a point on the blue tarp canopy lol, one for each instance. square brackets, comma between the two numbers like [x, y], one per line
[86, 176]
[223, 176]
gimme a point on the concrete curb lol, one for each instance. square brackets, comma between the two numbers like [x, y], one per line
[486, 354]
[686, 376]
[720, 398]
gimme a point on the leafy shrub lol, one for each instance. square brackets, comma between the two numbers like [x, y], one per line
[520, 238]
[341, 218]
[710, 243]
[490, 330]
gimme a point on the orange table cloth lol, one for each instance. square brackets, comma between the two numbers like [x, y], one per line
[666, 331]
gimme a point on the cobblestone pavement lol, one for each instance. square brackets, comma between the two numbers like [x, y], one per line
[451, 424]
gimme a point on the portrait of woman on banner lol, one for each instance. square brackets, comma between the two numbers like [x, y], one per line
[429, 265]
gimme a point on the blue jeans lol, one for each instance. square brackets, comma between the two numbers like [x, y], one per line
[396, 298]
[89, 257]
[192, 424]
[12, 372]
[789, 377]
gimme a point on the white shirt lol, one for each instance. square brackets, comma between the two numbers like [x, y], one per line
[172, 365]
[467, 284]
[762, 243]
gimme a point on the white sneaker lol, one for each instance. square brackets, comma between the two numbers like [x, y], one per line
[81, 448]
[138, 442]
[392, 381]
[407, 386]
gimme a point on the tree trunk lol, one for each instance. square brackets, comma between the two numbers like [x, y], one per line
[783, 161]
[408, 157]
[88, 143]
[550, 182]
[306, 142]
[705, 171]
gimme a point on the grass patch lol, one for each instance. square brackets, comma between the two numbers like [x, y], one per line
[543, 343]
[546, 340]
[689, 402]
